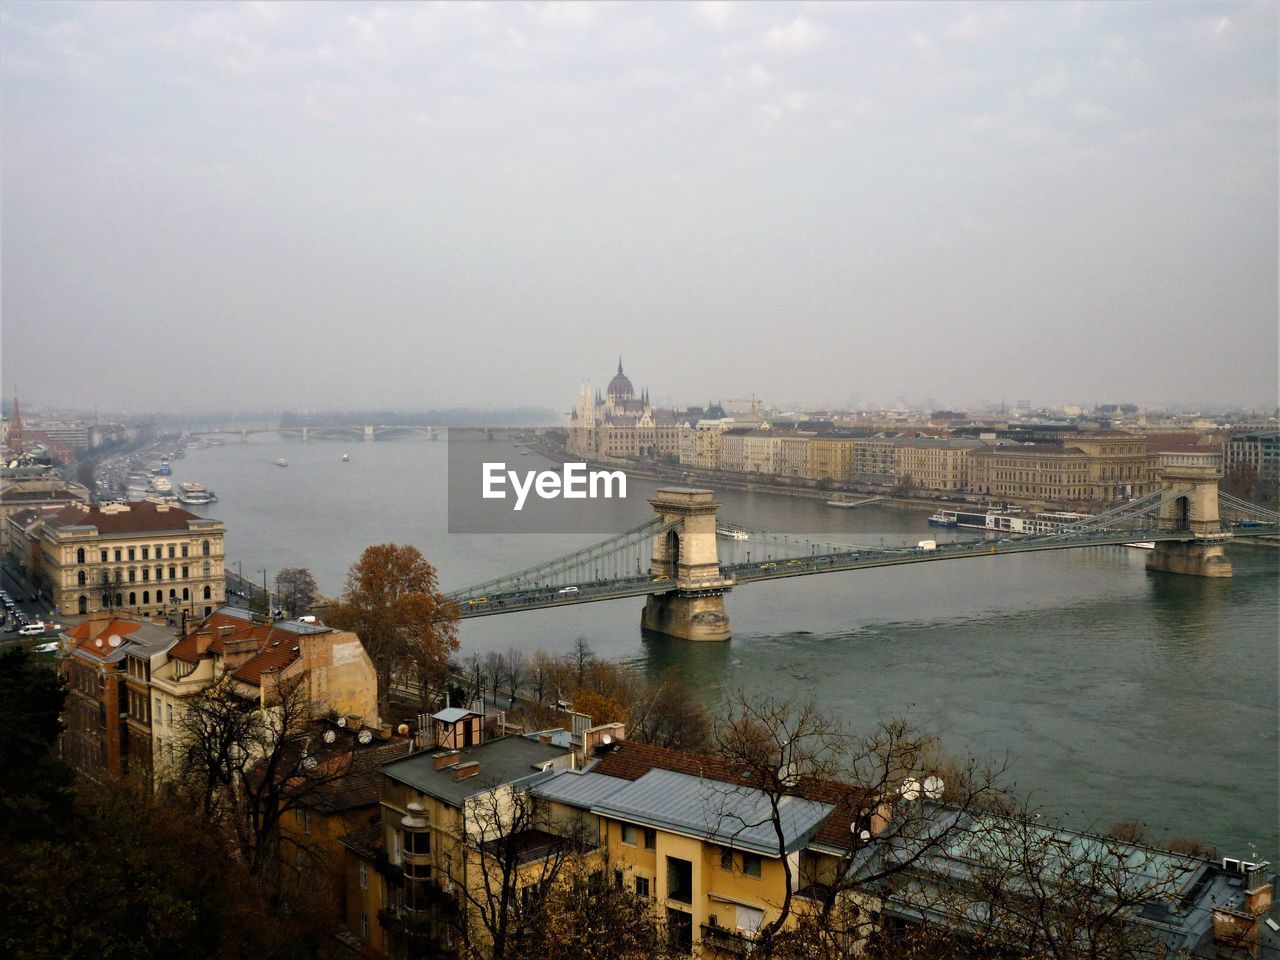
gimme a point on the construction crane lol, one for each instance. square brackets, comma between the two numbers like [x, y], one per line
[753, 400]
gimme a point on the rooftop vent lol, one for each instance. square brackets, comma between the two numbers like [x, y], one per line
[441, 760]
[463, 770]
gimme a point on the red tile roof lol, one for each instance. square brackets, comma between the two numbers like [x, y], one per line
[142, 516]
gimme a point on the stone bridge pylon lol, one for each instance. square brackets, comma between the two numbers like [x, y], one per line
[687, 555]
[1194, 508]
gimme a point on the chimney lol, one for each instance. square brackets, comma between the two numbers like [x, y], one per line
[1257, 890]
[226, 629]
[203, 639]
[441, 760]
[463, 770]
[544, 738]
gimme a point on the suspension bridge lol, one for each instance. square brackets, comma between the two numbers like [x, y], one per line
[687, 557]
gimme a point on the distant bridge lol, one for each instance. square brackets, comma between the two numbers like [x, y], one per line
[675, 560]
[326, 432]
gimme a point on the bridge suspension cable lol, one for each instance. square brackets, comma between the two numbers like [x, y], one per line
[1251, 510]
[625, 556]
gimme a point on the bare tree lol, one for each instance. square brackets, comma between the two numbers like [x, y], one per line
[539, 674]
[249, 765]
[513, 861]
[791, 750]
[582, 657]
[495, 668]
[516, 664]
[297, 590]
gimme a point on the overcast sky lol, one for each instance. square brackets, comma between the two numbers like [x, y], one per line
[314, 205]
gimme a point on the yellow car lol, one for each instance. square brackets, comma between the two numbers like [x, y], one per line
[477, 601]
[660, 579]
[768, 566]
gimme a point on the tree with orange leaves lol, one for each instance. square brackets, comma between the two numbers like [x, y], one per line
[392, 601]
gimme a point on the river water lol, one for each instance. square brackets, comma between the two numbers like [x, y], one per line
[1113, 693]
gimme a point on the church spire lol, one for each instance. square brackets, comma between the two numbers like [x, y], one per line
[619, 364]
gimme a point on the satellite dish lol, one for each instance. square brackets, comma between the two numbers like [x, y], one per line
[114, 640]
[365, 736]
[911, 789]
[606, 739]
[403, 729]
[342, 721]
[330, 736]
[864, 836]
[933, 788]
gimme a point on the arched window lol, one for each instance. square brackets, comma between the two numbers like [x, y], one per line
[119, 600]
[186, 593]
[173, 596]
[204, 548]
[80, 556]
[208, 592]
[82, 605]
[80, 577]
[146, 597]
[208, 569]
[133, 599]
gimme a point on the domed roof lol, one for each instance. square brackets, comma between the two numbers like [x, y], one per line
[620, 387]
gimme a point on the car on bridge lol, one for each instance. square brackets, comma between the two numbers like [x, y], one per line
[768, 566]
[478, 601]
[660, 579]
[567, 590]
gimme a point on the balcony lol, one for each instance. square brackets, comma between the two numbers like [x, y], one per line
[725, 941]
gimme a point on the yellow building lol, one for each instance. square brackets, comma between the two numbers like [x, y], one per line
[258, 655]
[933, 463]
[831, 458]
[146, 557]
[1082, 472]
[442, 811]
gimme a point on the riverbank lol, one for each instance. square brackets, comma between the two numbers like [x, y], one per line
[776, 486]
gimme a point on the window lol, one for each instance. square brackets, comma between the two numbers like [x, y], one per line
[132, 554]
[186, 572]
[204, 548]
[208, 592]
[157, 713]
[133, 575]
[186, 593]
[417, 842]
[184, 550]
[679, 880]
[80, 578]
[650, 839]
[680, 930]
[749, 920]
[726, 858]
[642, 887]
[751, 865]
[118, 555]
[146, 594]
[364, 875]
[168, 713]
[173, 573]
[146, 574]
[133, 599]
[172, 552]
[145, 551]
[364, 917]
[103, 556]
[630, 835]
[80, 557]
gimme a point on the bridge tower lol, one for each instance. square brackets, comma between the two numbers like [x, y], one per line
[1194, 510]
[694, 608]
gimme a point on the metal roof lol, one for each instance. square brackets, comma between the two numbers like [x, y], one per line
[453, 714]
[505, 760]
[580, 789]
[726, 813]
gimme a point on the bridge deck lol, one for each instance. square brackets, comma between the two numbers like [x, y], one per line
[858, 558]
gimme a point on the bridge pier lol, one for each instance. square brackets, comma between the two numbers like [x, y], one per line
[1196, 510]
[688, 556]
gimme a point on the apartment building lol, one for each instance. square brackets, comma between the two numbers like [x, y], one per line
[933, 463]
[108, 664]
[146, 557]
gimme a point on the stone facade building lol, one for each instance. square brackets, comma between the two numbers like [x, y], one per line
[147, 557]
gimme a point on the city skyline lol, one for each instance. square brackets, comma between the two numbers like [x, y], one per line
[833, 206]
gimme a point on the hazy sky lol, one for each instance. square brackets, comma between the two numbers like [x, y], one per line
[327, 205]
